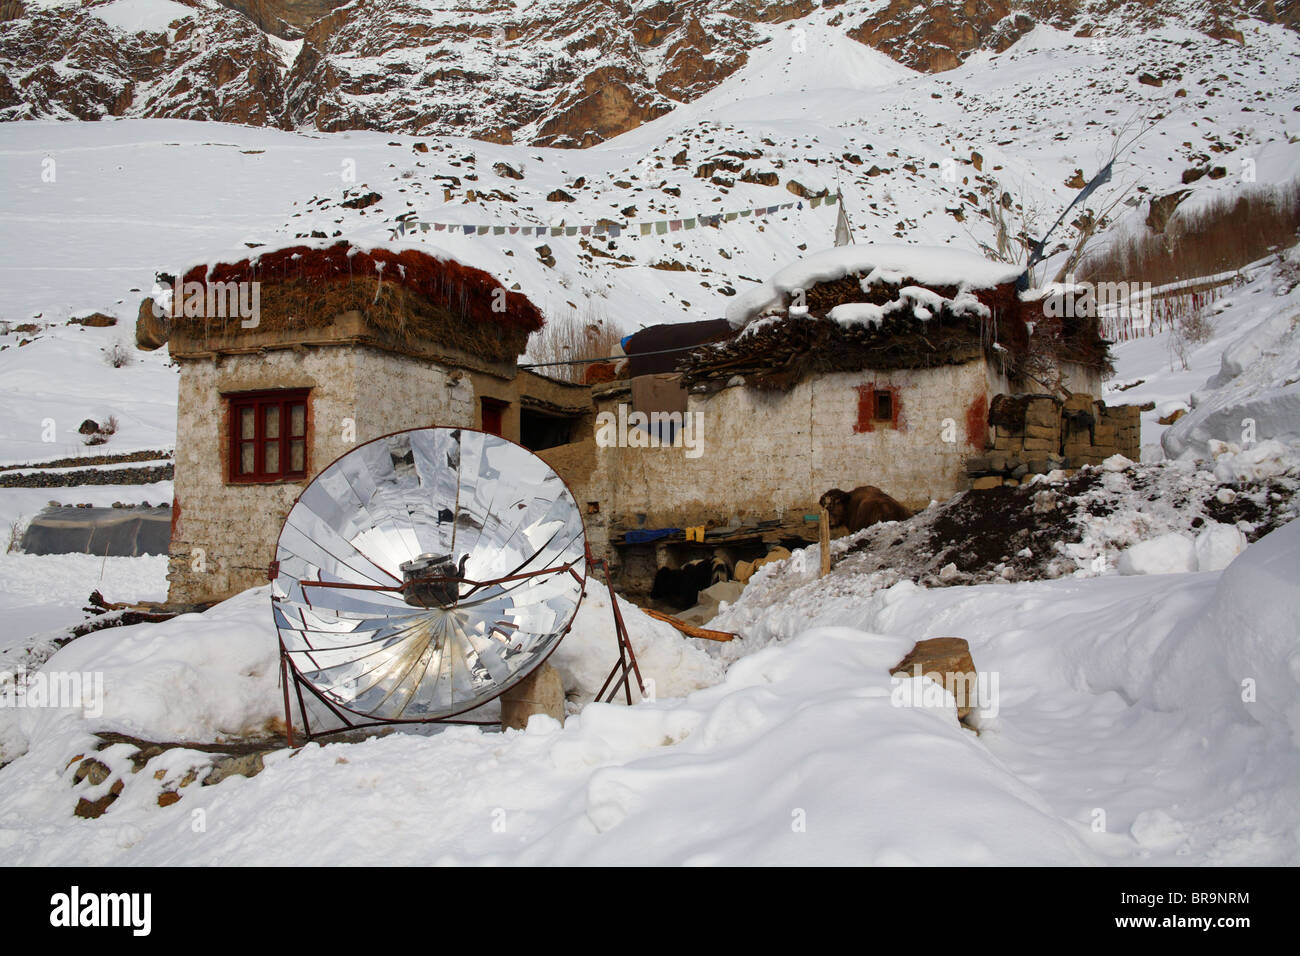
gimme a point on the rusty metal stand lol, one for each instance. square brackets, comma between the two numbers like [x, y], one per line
[626, 663]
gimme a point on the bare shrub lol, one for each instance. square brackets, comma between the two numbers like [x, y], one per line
[16, 528]
[119, 355]
[1196, 327]
[1230, 231]
[1189, 329]
[572, 339]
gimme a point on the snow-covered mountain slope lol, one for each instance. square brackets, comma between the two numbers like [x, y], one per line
[916, 156]
[547, 72]
[189, 59]
[1255, 393]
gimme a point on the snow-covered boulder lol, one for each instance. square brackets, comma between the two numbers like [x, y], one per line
[1217, 546]
[1171, 553]
[1212, 549]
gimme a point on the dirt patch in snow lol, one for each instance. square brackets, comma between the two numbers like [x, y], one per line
[1064, 525]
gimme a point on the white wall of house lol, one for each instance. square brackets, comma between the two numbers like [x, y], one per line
[770, 455]
[224, 533]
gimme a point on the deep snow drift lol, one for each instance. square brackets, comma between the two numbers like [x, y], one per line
[1143, 719]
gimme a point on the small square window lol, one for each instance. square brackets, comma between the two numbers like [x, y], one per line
[268, 436]
[884, 405]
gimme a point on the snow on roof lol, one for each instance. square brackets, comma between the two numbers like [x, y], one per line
[931, 265]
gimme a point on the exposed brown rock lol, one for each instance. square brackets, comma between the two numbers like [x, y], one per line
[938, 36]
[96, 320]
[150, 330]
[92, 809]
[948, 661]
[1162, 209]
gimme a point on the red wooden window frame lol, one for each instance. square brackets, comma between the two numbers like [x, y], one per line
[884, 405]
[872, 413]
[272, 411]
[494, 414]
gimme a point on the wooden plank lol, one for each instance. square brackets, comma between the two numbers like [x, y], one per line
[690, 630]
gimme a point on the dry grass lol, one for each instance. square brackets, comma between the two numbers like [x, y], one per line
[119, 355]
[16, 528]
[573, 338]
[1233, 230]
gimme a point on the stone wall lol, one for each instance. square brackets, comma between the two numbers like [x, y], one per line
[224, 533]
[1045, 433]
[770, 455]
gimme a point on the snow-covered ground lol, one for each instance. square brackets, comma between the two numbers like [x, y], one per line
[1138, 720]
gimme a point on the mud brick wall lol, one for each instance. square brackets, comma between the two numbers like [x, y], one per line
[1035, 434]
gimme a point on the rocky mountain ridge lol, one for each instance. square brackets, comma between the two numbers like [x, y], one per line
[566, 73]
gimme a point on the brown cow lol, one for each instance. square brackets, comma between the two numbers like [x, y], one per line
[862, 507]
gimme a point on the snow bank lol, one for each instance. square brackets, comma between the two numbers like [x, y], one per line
[214, 675]
[1254, 622]
[931, 265]
[785, 761]
[197, 677]
[1255, 395]
[1119, 694]
[672, 665]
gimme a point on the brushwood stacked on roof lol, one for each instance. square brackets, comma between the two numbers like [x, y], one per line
[882, 307]
[409, 295]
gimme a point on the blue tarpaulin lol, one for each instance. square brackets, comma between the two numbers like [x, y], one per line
[644, 535]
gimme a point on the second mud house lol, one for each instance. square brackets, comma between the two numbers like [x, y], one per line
[860, 365]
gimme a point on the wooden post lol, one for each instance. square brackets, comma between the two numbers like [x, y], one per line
[824, 533]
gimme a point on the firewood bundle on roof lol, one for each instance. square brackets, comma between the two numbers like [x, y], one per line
[843, 327]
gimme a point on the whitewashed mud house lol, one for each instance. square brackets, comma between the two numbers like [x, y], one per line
[860, 365]
[921, 371]
[349, 344]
